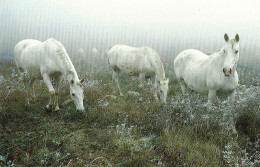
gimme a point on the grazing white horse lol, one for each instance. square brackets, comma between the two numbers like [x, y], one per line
[94, 52]
[81, 54]
[47, 60]
[209, 74]
[143, 61]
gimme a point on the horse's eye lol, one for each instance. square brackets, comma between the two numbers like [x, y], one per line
[73, 94]
[224, 51]
[236, 51]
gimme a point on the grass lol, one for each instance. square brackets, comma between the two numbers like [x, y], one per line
[127, 131]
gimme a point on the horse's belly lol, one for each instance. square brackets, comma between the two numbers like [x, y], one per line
[137, 72]
[33, 72]
[198, 87]
[130, 71]
[195, 79]
[135, 68]
[128, 68]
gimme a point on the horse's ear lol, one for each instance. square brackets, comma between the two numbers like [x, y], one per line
[72, 82]
[82, 81]
[226, 37]
[237, 38]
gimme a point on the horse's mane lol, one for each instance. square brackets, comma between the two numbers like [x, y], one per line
[215, 52]
[61, 52]
[161, 70]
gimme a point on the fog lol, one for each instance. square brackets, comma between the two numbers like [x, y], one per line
[168, 26]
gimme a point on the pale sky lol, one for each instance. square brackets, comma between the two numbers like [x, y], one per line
[200, 13]
[164, 24]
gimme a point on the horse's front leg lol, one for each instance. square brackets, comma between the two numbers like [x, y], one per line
[47, 81]
[141, 78]
[231, 97]
[155, 87]
[57, 82]
[211, 96]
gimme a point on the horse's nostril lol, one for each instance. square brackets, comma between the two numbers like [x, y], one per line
[77, 110]
[230, 70]
[223, 70]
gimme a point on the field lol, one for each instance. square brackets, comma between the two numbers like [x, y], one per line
[129, 131]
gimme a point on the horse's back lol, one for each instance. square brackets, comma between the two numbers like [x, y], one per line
[132, 59]
[52, 44]
[36, 56]
[190, 55]
[23, 46]
[189, 58]
[124, 51]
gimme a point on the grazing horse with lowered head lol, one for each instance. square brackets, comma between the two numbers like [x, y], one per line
[47, 60]
[143, 61]
[209, 74]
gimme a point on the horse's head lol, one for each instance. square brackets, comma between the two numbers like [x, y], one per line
[163, 89]
[77, 94]
[230, 55]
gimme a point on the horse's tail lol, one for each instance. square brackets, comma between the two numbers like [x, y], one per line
[106, 54]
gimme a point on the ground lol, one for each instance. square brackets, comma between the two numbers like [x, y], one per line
[134, 130]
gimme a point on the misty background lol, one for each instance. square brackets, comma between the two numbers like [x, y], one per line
[168, 26]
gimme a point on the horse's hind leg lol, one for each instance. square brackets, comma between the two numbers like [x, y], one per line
[115, 77]
[183, 86]
[31, 87]
[26, 81]
[141, 78]
[26, 89]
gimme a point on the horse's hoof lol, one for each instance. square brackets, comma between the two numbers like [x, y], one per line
[57, 108]
[48, 108]
[27, 101]
[32, 102]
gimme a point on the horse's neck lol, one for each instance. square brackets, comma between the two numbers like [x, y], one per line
[216, 58]
[71, 75]
[68, 68]
[160, 72]
[70, 71]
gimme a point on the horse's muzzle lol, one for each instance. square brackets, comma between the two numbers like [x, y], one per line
[227, 71]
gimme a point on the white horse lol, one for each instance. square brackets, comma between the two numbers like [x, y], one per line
[143, 61]
[81, 54]
[94, 52]
[209, 74]
[47, 60]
